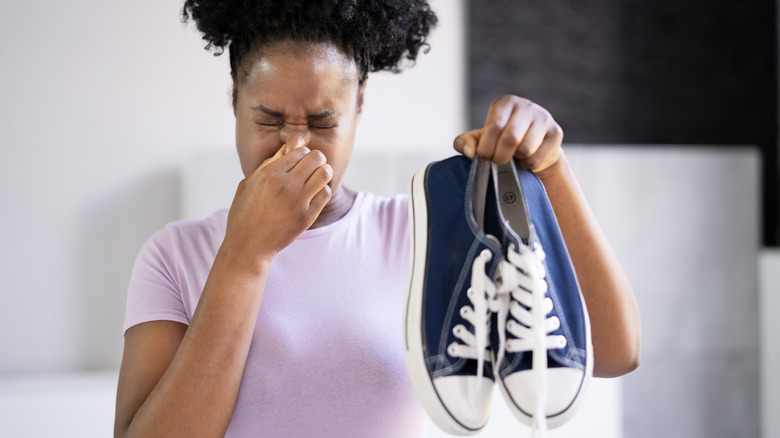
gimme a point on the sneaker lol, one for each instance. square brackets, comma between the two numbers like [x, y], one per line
[447, 321]
[541, 344]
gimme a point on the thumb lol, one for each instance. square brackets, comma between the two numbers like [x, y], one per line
[278, 154]
[466, 143]
[294, 143]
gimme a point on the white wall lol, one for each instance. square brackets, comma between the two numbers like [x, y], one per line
[100, 104]
[769, 308]
[63, 406]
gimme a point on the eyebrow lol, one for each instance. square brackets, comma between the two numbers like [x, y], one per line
[273, 113]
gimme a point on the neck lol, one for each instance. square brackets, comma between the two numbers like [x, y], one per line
[336, 208]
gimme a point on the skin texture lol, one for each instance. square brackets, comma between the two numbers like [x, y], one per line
[297, 108]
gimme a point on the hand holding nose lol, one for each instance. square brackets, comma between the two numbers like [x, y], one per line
[278, 201]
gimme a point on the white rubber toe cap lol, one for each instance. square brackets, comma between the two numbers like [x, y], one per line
[563, 388]
[466, 398]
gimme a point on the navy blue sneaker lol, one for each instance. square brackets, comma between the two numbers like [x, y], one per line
[447, 319]
[541, 344]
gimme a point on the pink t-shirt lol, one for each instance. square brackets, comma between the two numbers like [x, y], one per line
[326, 358]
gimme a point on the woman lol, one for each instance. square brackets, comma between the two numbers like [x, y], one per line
[281, 316]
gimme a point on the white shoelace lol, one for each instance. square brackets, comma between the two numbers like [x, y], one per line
[522, 277]
[475, 344]
[521, 293]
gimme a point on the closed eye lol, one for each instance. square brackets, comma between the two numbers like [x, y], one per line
[268, 123]
[324, 126]
[312, 126]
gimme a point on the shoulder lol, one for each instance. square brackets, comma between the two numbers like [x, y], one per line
[187, 237]
[171, 268]
[197, 231]
[387, 210]
[386, 220]
[383, 205]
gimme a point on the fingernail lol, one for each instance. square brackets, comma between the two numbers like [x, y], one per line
[468, 151]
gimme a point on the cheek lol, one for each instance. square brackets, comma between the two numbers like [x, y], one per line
[253, 148]
[249, 162]
[337, 149]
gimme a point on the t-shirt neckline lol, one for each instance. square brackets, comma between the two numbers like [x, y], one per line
[340, 223]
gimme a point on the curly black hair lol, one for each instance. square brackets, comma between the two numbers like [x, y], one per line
[377, 34]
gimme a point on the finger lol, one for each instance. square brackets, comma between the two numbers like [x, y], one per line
[543, 153]
[498, 115]
[317, 180]
[303, 169]
[275, 157]
[294, 142]
[466, 143]
[548, 153]
[280, 163]
[512, 136]
[265, 164]
[532, 139]
[319, 200]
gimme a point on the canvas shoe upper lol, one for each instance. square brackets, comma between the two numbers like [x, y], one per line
[540, 338]
[447, 321]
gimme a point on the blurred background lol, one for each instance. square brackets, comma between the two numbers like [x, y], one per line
[115, 121]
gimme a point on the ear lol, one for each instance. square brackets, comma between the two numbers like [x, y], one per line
[360, 93]
[234, 92]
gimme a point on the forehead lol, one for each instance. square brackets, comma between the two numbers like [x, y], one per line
[287, 73]
[299, 61]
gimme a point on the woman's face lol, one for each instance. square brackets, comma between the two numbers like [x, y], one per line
[298, 94]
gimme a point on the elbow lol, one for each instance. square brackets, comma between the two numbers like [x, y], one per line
[632, 353]
[616, 362]
[616, 367]
[630, 361]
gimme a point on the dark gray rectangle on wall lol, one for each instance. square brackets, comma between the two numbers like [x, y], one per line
[637, 72]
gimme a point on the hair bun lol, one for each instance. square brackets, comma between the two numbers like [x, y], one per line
[379, 35]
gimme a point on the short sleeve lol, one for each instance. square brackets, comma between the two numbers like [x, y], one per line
[153, 293]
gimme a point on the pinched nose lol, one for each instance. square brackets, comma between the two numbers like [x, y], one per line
[294, 135]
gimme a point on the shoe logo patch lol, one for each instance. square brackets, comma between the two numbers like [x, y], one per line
[509, 197]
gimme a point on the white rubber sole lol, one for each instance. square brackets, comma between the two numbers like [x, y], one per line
[414, 354]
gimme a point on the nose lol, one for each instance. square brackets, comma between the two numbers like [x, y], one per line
[294, 135]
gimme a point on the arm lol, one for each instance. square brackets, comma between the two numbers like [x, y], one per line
[183, 381]
[179, 381]
[613, 311]
[518, 129]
